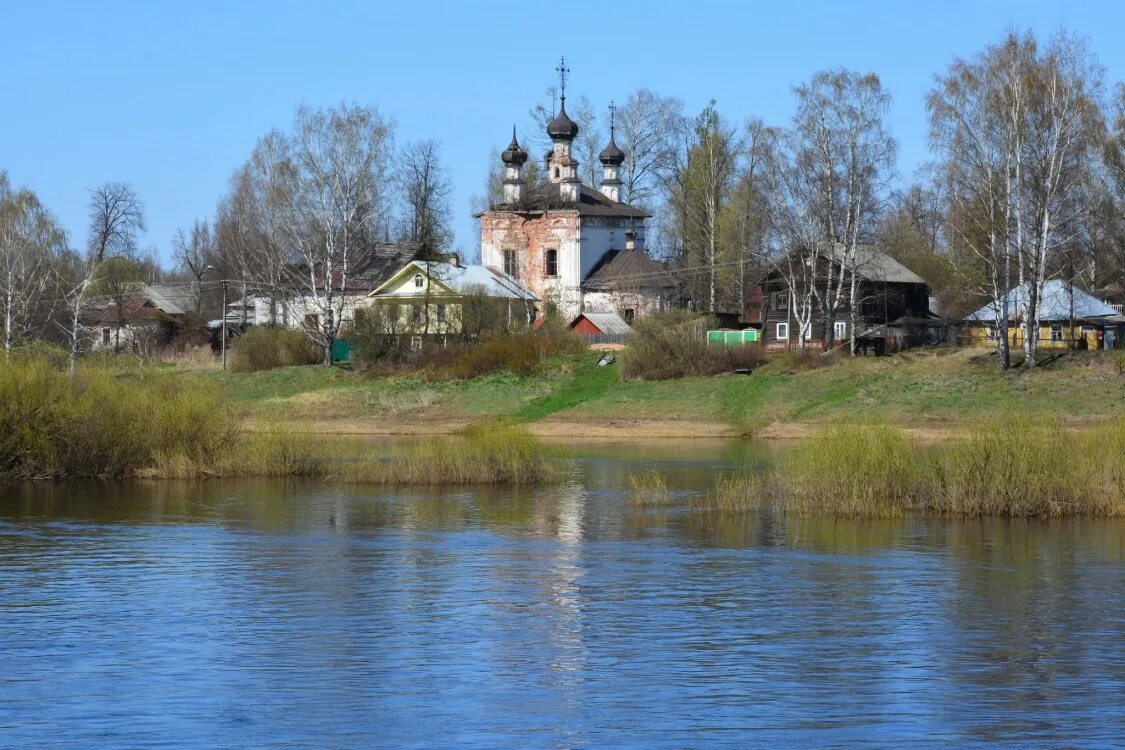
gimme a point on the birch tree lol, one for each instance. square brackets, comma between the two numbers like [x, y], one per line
[698, 181]
[335, 200]
[30, 242]
[1018, 128]
[646, 124]
[839, 136]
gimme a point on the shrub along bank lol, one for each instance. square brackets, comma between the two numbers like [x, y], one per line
[101, 422]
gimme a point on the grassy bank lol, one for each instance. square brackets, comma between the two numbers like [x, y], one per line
[111, 421]
[1016, 466]
[939, 388]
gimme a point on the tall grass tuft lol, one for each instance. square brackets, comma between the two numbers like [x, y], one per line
[1013, 465]
[491, 453]
[736, 494]
[650, 490]
[872, 470]
[1021, 465]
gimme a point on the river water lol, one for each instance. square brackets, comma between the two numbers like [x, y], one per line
[278, 614]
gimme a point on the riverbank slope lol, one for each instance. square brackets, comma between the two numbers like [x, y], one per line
[931, 393]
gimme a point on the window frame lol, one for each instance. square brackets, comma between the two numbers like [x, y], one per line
[1055, 328]
[550, 263]
[777, 331]
[839, 330]
[419, 281]
[511, 263]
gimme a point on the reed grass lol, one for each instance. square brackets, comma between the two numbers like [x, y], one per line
[492, 453]
[1013, 465]
[649, 490]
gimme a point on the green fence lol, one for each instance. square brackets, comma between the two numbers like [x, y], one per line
[733, 338]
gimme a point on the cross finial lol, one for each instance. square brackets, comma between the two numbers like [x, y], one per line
[612, 114]
[562, 70]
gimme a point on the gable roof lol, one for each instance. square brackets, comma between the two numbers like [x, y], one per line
[1054, 304]
[631, 269]
[874, 265]
[460, 280]
[609, 323]
[174, 299]
[590, 202]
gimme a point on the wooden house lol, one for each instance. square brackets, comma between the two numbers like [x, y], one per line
[894, 306]
[1068, 316]
[437, 299]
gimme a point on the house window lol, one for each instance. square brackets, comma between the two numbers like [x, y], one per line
[312, 321]
[780, 301]
[991, 332]
[415, 343]
[839, 330]
[441, 314]
[360, 317]
[551, 263]
[415, 314]
[105, 335]
[419, 281]
[510, 267]
[1056, 332]
[782, 331]
[630, 315]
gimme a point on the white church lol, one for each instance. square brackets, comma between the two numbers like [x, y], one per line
[578, 248]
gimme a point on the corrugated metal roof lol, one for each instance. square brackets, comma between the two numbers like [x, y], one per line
[173, 299]
[466, 279]
[1055, 304]
[608, 323]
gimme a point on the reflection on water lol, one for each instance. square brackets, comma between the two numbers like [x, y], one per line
[284, 614]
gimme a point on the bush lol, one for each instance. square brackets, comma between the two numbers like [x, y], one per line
[522, 354]
[673, 345]
[1117, 357]
[270, 347]
[98, 424]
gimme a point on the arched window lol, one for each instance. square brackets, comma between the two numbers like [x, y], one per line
[419, 281]
[556, 173]
[510, 266]
[551, 263]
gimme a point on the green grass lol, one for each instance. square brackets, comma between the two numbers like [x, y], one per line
[939, 387]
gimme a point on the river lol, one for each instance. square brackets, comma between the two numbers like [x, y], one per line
[281, 614]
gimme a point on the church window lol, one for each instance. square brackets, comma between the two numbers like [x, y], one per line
[510, 266]
[551, 263]
[630, 315]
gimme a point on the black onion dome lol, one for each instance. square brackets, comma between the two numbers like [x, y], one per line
[612, 155]
[514, 153]
[562, 127]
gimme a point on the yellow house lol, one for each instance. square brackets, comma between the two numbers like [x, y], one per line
[1069, 317]
[427, 298]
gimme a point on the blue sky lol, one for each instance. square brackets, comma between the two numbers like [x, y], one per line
[172, 96]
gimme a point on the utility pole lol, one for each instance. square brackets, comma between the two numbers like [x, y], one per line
[224, 324]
